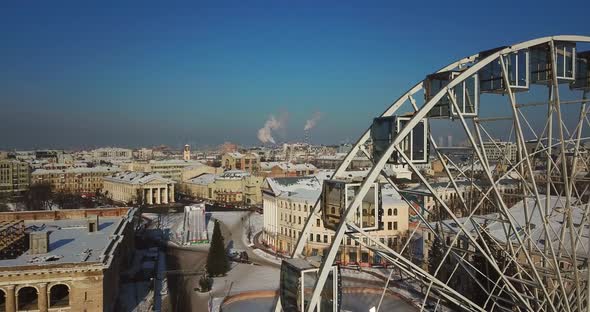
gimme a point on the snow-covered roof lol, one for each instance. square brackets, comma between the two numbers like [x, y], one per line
[134, 177]
[77, 170]
[236, 155]
[203, 179]
[71, 242]
[233, 175]
[286, 166]
[267, 165]
[497, 226]
[303, 188]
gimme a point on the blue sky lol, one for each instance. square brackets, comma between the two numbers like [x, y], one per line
[74, 74]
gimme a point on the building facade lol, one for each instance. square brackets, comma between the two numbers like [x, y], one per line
[74, 267]
[15, 176]
[498, 151]
[287, 204]
[112, 153]
[73, 180]
[286, 169]
[174, 169]
[139, 187]
[238, 161]
[230, 187]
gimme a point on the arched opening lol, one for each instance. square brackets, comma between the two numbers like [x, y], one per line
[59, 296]
[27, 298]
[389, 212]
[395, 212]
[2, 300]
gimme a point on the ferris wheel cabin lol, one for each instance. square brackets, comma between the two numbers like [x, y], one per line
[582, 81]
[466, 94]
[415, 145]
[337, 195]
[565, 58]
[298, 277]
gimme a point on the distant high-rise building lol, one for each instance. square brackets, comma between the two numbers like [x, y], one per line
[228, 147]
[186, 155]
[15, 176]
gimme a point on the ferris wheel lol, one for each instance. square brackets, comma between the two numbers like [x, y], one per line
[514, 234]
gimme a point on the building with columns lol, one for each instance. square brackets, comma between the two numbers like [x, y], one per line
[74, 261]
[136, 187]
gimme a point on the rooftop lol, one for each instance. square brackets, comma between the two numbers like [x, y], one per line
[77, 170]
[233, 175]
[203, 179]
[135, 177]
[70, 242]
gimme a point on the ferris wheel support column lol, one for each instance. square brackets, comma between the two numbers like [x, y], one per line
[520, 136]
[499, 198]
[564, 171]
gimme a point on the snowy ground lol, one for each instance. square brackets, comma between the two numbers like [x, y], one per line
[244, 277]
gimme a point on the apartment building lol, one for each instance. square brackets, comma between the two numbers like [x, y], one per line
[287, 204]
[15, 176]
[74, 180]
[238, 161]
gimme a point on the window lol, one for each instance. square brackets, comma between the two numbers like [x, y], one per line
[311, 237]
[27, 298]
[395, 212]
[299, 220]
[389, 225]
[395, 225]
[59, 296]
[325, 238]
[318, 238]
[317, 222]
[348, 241]
[389, 212]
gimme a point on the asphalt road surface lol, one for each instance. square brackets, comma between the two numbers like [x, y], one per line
[350, 302]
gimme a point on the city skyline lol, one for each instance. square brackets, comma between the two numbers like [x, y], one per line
[76, 77]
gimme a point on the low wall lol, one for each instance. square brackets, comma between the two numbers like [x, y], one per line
[63, 214]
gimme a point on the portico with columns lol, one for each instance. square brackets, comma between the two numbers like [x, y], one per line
[136, 187]
[158, 193]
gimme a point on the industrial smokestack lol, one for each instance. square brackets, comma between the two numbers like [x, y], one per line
[312, 122]
[272, 123]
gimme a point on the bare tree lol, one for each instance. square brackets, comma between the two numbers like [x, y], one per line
[38, 197]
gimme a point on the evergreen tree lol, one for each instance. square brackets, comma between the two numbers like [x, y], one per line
[217, 263]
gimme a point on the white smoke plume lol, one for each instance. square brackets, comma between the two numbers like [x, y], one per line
[272, 123]
[313, 121]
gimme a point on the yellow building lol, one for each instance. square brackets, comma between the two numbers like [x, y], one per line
[232, 187]
[177, 170]
[135, 187]
[15, 176]
[238, 161]
[287, 203]
[74, 180]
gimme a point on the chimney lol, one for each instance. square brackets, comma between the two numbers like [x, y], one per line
[39, 242]
[93, 223]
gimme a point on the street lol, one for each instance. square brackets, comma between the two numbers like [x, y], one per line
[242, 277]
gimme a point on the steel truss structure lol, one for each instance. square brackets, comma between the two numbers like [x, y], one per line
[532, 256]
